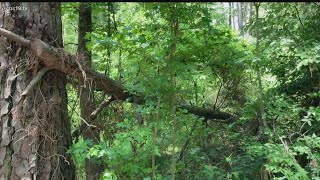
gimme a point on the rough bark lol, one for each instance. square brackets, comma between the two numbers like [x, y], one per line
[35, 129]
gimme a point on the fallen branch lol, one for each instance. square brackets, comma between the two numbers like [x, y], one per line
[14, 37]
[62, 61]
[209, 113]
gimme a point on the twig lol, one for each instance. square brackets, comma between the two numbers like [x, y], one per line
[184, 147]
[76, 44]
[82, 71]
[92, 116]
[104, 103]
[89, 125]
[35, 80]
[297, 11]
[218, 93]
[17, 75]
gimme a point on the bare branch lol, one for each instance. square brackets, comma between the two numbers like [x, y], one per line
[101, 106]
[35, 80]
[14, 37]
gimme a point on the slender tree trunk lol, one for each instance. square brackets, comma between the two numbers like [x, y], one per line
[263, 123]
[250, 10]
[245, 12]
[250, 15]
[230, 14]
[109, 33]
[87, 104]
[233, 20]
[154, 137]
[35, 129]
[174, 34]
[240, 20]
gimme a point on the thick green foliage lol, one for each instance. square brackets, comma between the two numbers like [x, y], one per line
[211, 67]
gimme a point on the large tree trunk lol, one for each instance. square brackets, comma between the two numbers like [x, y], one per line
[35, 129]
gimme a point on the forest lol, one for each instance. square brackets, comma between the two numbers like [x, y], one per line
[159, 90]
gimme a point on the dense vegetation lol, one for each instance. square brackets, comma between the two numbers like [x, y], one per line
[257, 62]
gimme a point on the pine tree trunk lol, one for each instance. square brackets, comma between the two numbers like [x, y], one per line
[35, 129]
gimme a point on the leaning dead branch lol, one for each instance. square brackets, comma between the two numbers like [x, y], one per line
[14, 37]
[62, 61]
[211, 114]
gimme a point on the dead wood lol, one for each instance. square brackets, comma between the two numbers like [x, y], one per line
[60, 60]
[34, 81]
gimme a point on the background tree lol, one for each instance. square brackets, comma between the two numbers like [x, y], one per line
[86, 93]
